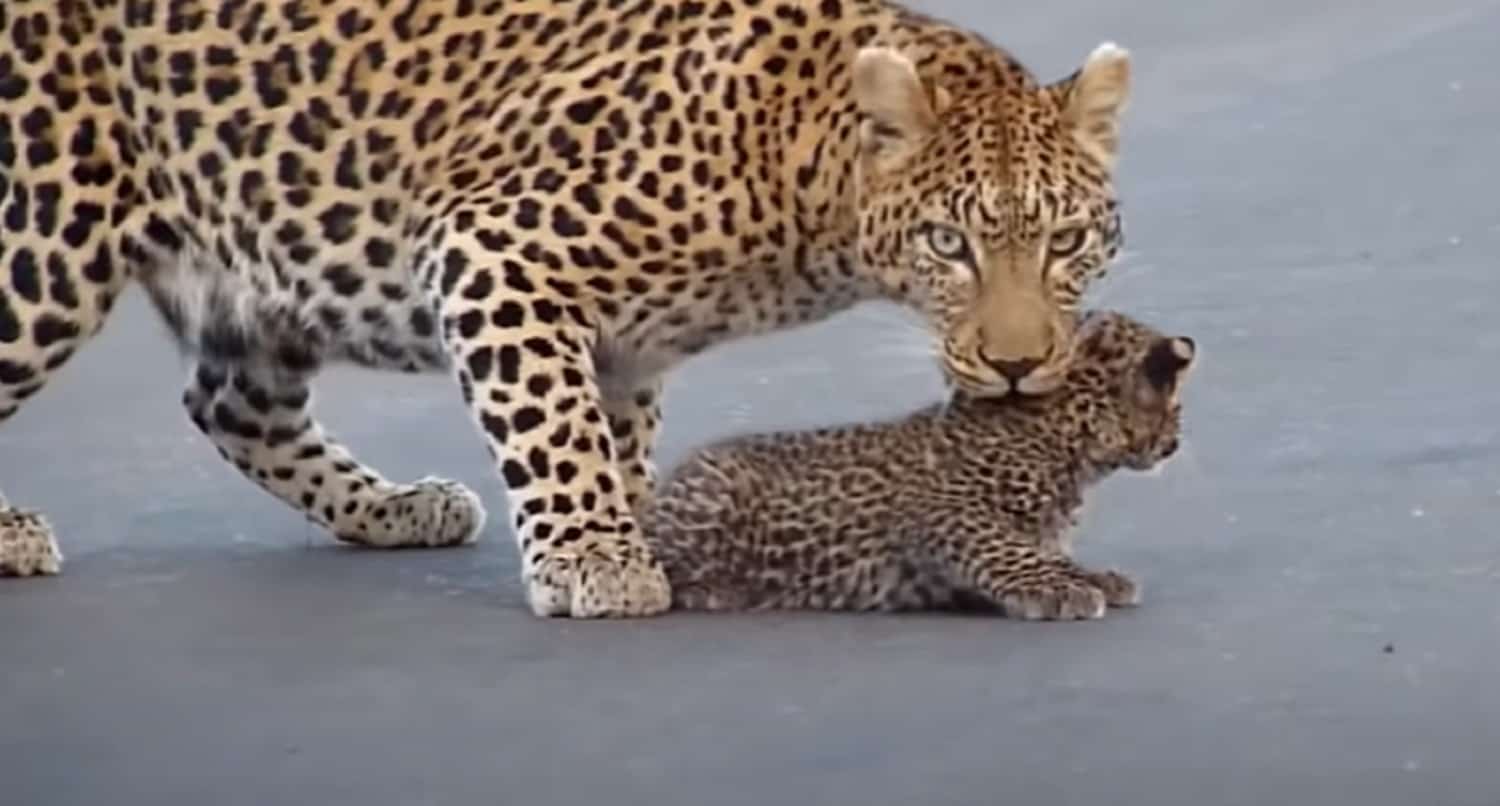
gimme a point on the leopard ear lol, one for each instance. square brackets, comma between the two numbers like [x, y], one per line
[899, 111]
[1093, 100]
[1168, 361]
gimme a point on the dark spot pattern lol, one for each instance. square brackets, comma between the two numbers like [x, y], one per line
[540, 201]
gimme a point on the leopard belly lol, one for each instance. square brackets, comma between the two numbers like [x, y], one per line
[249, 312]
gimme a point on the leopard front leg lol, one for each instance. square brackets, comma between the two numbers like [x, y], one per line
[523, 355]
[261, 422]
[634, 414]
[1022, 580]
[1119, 589]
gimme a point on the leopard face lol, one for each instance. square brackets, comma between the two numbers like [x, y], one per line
[1125, 391]
[990, 206]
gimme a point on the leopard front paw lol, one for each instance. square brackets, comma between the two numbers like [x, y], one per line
[606, 580]
[1054, 600]
[1119, 589]
[28, 546]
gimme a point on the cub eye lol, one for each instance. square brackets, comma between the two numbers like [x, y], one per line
[949, 243]
[1067, 241]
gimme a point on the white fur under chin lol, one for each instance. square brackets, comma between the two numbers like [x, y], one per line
[1039, 383]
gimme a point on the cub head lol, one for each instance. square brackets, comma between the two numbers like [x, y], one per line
[986, 201]
[1122, 390]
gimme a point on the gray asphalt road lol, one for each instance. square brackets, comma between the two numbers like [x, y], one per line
[1311, 194]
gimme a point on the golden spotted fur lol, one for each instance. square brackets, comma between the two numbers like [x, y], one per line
[555, 202]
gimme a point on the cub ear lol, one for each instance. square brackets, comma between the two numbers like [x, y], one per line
[1093, 100]
[1168, 361]
[898, 110]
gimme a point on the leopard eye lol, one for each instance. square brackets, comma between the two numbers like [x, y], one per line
[1067, 241]
[949, 244]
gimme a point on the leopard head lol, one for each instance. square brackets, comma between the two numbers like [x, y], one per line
[1123, 391]
[987, 203]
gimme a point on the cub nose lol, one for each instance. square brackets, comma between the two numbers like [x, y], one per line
[1012, 370]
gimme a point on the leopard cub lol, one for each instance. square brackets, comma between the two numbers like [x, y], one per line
[957, 505]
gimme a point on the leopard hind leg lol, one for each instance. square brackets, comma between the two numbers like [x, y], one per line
[250, 393]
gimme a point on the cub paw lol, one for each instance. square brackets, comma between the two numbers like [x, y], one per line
[1060, 600]
[431, 513]
[27, 545]
[602, 581]
[1119, 590]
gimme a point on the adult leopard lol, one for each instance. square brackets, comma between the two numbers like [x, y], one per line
[554, 200]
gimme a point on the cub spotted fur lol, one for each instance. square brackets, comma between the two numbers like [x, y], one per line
[968, 503]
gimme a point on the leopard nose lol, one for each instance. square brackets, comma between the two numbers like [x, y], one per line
[1012, 370]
